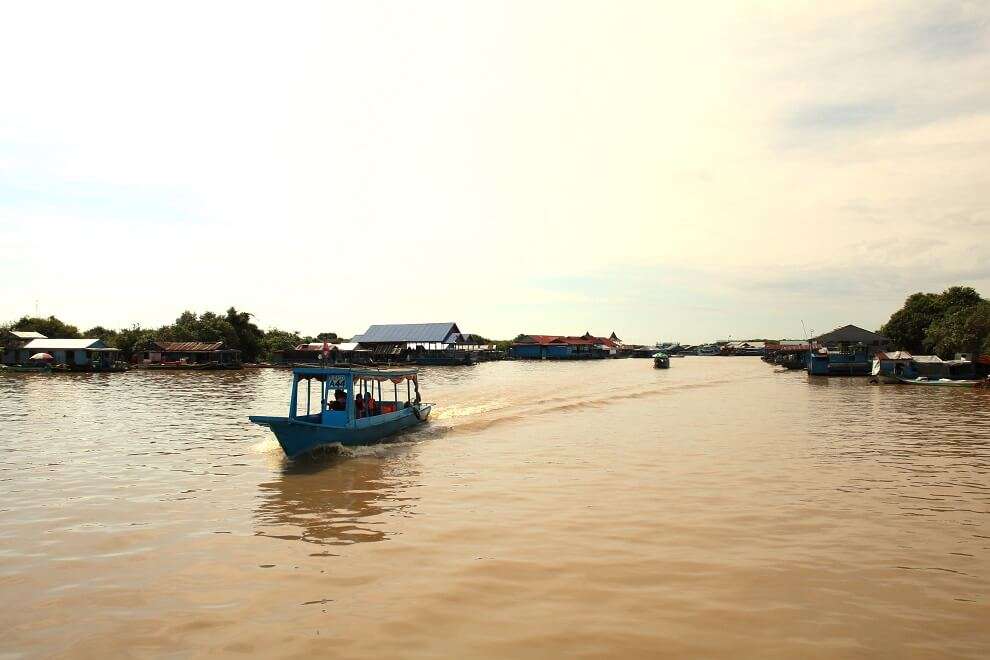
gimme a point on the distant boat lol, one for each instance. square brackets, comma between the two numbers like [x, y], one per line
[347, 409]
[661, 361]
[708, 349]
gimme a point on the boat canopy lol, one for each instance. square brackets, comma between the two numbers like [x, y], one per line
[393, 375]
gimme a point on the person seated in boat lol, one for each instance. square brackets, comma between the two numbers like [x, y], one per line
[370, 405]
[358, 406]
[339, 400]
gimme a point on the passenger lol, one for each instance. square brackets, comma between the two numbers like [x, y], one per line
[339, 400]
[369, 404]
[358, 407]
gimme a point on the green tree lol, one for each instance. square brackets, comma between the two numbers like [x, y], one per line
[330, 337]
[51, 327]
[208, 327]
[965, 330]
[99, 332]
[959, 297]
[908, 327]
[135, 339]
[249, 336]
[278, 340]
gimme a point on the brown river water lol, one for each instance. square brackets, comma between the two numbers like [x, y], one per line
[595, 509]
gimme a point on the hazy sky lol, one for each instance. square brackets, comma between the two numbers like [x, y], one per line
[665, 171]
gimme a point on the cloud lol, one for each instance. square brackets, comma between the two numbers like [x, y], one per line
[657, 170]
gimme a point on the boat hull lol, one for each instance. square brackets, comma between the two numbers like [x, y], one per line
[298, 438]
[16, 368]
[942, 382]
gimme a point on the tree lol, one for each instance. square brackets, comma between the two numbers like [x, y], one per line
[249, 336]
[959, 297]
[50, 327]
[100, 332]
[208, 327]
[908, 327]
[965, 330]
[330, 337]
[134, 339]
[278, 340]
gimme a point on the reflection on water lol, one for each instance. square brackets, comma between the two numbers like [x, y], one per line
[340, 497]
[715, 509]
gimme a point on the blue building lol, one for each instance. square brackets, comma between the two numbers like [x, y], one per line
[73, 353]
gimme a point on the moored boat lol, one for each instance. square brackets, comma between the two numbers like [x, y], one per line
[29, 368]
[942, 382]
[346, 408]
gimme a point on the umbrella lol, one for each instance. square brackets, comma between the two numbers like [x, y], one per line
[42, 356]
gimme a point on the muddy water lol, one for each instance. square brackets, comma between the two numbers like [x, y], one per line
[601, 509]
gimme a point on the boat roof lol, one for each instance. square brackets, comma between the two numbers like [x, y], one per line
[382, 374]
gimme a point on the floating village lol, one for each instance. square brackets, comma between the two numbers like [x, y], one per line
[367, 389]
[845, 351]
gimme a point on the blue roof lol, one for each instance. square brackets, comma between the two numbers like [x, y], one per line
[407, 332]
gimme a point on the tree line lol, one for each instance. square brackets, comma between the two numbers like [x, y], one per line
[234, 328]
[954, 321]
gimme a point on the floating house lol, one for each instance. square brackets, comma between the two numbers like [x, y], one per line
[74, 354]
[743, 348]
[423, 343]
[189, 355]
[312, 353]
[851, 337]
[788, 353]
[561, 347]
[889, 367]
[845, 351]
[14, 340]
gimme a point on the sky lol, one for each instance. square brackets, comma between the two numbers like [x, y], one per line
[667, 172]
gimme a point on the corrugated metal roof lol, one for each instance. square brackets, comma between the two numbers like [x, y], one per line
[894, 355]
[934, 359]
[27, 334]
[63, 344]
[849, 334]
[543, 340]
[188, 346]
[406, 332]
[586, 340]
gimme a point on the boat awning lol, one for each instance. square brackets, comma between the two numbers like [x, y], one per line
[394, 375]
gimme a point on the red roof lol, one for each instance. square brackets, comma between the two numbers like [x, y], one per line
[543, 340]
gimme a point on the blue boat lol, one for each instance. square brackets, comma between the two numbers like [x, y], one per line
[345, 406]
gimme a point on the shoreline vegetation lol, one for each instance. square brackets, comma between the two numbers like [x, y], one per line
[954, 321]
[234, 328]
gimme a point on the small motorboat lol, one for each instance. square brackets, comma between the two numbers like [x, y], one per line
[346, 408]
[37, 367]
[661, 361]
[943, 382]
